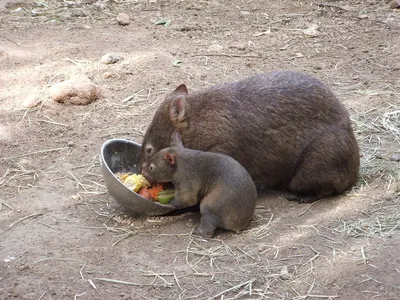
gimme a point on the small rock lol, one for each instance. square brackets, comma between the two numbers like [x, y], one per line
[108, 75]
[312, 30]
[23, 267]
[100, 5]
[388, 20]
[23, 161]
[250, 64]
[31, 101]
[4, 133]
[78, 13]
[394, 4]
[395, 157]
[284, 274]
[71, 144]
[241, 47]
[69, 3]
[215, 48]
[363, 16]
[79, 90]
[110, 59]
[123, 19]
[9, 258]
[298, 54]
[245, 13]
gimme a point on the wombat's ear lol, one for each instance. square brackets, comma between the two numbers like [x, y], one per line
[176, 140]
[177, 111]
[169, 158]
[182, 89]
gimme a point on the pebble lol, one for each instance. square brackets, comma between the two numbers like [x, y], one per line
[71, 144]
[4, 133]
[110, 59]
[108, 75]
[215, 48]
[363, 16]
[79, 90]
[123, 19]
[31, 101]
[23, 161]
[395, 157]
[312, 30]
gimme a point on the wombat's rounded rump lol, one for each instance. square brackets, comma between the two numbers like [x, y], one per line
[286, 128]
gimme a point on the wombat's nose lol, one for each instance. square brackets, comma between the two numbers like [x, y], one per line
[141, 167]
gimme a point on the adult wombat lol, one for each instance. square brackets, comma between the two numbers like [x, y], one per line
[223, 188]
[286, 128]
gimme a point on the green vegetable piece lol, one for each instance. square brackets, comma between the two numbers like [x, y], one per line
[165, 197]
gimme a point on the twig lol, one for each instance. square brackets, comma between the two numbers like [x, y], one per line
[53, 122]
[80, 271]
[78, 182]
[93, 285]
[24, 218]
[330, 5]
[308, 208]
[33, 153]
[57, 258]
[129, 283]
[228, 55]
[232, 288]
[42, 295]
[78, 295]
[363, 255]
[9, 206]
[177, 281]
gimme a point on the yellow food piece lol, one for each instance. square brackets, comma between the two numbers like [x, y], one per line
[122, 177]
[135, 181]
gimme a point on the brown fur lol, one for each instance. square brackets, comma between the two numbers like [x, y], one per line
[286, 128]
[222, 186]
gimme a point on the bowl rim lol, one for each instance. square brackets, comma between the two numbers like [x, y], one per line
[113, 140]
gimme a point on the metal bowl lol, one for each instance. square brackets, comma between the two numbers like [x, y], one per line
[120, 155]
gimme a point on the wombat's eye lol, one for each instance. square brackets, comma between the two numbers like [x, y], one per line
[148, 150]
[151, 167]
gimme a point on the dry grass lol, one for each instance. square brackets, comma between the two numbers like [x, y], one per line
[375, 128]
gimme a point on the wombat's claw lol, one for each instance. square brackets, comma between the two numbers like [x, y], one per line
[302, 199]
[203, 232]
[292, 197]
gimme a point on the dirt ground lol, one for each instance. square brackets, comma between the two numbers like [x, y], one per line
[62, 236]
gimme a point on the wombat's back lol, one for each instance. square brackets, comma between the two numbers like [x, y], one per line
[265, 121]
[286, 128]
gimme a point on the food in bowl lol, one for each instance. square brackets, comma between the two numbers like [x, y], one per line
[139, 184]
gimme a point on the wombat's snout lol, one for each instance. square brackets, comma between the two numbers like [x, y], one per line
[146, 175]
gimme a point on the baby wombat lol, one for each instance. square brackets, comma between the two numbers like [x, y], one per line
[286, 128]
[223, 188]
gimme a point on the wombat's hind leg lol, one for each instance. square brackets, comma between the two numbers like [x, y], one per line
[328, 166]
[207, 226]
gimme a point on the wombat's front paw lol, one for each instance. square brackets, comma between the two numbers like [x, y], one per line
[176, 204]
[302, 199]
[199, 230]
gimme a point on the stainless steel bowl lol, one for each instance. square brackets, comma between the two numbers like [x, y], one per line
[120, 155]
